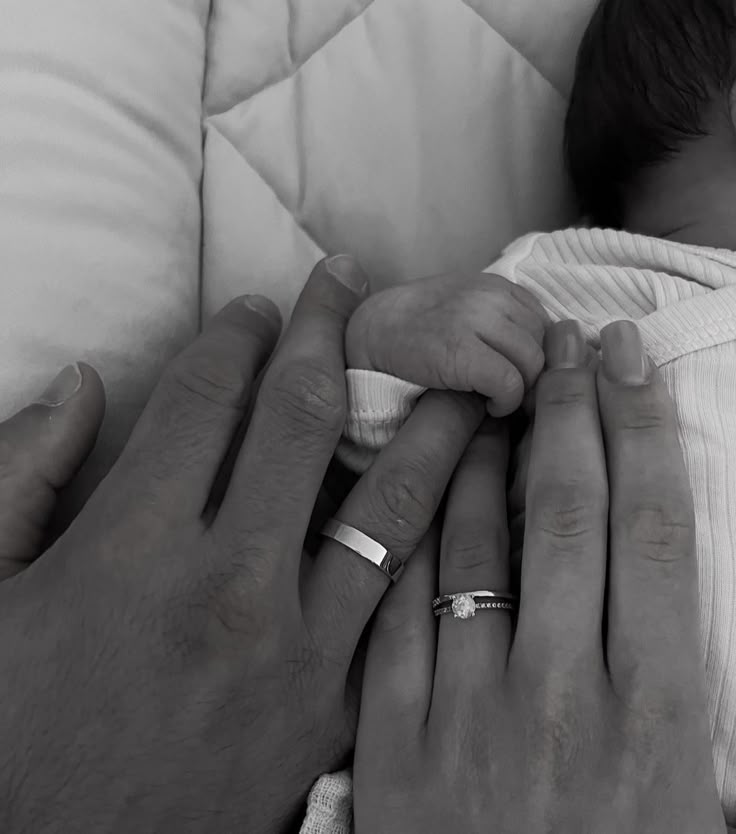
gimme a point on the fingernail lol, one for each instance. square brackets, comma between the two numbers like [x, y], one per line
[565, 346]
[66, 384]
[624, 359]
[348, 272]
[263, 306]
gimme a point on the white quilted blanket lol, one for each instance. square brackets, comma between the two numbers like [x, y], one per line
[420, 135]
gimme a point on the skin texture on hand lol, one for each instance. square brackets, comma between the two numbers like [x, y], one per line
[166, 669]
[41, 449]
[580, 716]
[462, 332]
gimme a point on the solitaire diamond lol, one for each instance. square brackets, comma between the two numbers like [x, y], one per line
[463, 607]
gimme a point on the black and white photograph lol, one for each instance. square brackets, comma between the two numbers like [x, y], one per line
[367, 416]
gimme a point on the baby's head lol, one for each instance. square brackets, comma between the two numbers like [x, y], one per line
[651, 128]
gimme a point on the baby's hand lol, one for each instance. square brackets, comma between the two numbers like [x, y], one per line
[460, 332]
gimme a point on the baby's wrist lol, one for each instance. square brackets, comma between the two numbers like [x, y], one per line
[358, 360]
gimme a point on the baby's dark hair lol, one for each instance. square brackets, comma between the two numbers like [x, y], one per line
[647, 73]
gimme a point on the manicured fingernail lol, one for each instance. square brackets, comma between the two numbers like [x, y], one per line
[348, 272]
[66, 384]
[262, 305]
[624, 359]
[565, 346]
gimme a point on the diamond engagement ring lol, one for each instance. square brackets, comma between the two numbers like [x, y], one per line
[463, 606]
[364, 546]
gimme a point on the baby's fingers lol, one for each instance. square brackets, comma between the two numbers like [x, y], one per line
[502, 365]
[518, 299]
[489, 373]
[518, 343]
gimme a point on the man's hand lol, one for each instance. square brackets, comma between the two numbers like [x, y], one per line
[162, 669]
[41, 450]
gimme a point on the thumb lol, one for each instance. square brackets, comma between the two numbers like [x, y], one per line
[41, 449]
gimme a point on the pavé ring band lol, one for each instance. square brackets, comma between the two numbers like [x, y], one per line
[463, 606]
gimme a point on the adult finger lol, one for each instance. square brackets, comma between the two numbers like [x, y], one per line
[297, 419]
[565, 536]
[475, 557]
[394, 503]
[397, 682]
[181, 438]
[652, 602]
[335, 489]
[41, 449]
[516, 501]
[529, 402]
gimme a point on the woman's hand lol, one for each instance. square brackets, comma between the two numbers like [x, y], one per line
[168, 669]
[591, 716]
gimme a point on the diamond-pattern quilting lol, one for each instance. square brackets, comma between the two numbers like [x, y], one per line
[546, 33]
[252, 244]
[416, 137]
[255, 43]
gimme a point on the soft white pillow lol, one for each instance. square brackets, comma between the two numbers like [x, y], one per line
[100, 169]
[421, 135]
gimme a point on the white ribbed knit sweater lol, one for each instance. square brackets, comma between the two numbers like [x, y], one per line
[684, 301]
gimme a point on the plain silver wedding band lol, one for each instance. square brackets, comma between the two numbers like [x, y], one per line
[364, 546]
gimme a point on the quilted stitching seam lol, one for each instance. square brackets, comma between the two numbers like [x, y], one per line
[268, 185]
[205, 73]
[295, 70]
[516, 49]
